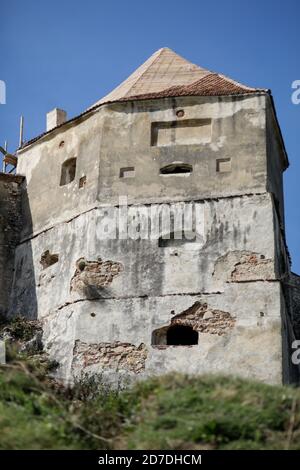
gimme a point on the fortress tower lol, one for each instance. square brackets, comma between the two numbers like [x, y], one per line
[223, 302]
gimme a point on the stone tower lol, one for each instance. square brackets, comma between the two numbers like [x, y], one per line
[172, 135]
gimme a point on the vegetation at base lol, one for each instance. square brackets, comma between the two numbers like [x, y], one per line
[18, 328]
[170, 412]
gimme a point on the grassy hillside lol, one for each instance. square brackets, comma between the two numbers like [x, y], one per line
[172, 412]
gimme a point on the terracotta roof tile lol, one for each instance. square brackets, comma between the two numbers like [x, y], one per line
[212, 84]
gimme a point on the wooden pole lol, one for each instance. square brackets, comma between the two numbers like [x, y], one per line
[21, 131]
[3, 163]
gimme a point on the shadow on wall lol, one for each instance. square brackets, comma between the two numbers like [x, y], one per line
[23, 299]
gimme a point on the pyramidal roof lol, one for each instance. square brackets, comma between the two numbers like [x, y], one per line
[166, 73]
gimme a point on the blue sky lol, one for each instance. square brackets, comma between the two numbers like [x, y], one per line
[69, 53]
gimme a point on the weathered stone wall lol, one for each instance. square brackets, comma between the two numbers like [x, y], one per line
[10, 226]
[275, 165]
[106, 291]
[236, 230]
[118, 135]
[292, 289]
[102, 301]
[249, 346]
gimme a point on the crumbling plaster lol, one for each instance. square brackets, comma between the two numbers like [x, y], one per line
[235, 225]
[133, 320]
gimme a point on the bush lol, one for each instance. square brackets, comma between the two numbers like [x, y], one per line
[170, 412]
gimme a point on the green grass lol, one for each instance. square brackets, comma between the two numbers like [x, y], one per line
[171, 412]
[215, 413]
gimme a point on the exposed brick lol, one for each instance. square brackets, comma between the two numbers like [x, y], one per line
[94, 274]
[252, 267]
[205, 320]
[243, 266]
[116, 355]
[47, 259]
[202, 319]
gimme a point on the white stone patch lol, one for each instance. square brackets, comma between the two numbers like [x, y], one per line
[218, 144]
[257, 120]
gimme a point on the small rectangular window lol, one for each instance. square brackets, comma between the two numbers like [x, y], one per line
[82, 182]
[176, 169]
[68, 171]
[128, 172]
[223, 165]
